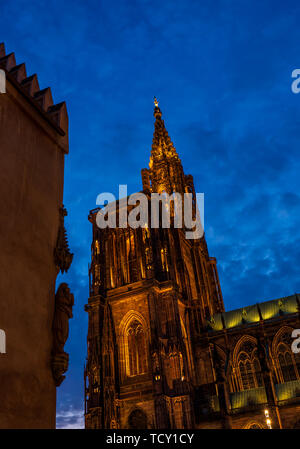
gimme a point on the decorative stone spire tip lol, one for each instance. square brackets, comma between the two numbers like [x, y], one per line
[157, 111]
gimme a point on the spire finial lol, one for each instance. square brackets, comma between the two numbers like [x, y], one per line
[157, 111]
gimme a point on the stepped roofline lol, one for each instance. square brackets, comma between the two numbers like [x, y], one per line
[41, 99]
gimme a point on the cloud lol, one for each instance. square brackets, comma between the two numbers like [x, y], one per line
[222, 73]
[70, 419]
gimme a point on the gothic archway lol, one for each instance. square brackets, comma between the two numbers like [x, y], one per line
[137, 351]
[287, 363]
[137, 419]
[246, 364]
[134, 351]
[253, 425]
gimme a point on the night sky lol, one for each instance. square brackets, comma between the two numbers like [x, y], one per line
[222, 73]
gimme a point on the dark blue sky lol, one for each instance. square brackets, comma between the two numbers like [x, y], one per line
[222, 73]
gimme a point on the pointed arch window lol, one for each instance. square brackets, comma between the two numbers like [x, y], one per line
[249, 368]
[137, 350]
[246, 373]
[286, 363]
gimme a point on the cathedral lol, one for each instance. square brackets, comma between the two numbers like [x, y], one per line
[162, 352]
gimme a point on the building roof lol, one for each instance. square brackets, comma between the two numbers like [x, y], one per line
[255, 313]
[41, 99]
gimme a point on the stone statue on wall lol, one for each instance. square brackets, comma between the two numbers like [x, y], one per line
[64, 301]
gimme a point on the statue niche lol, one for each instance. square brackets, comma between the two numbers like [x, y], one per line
[64, 301]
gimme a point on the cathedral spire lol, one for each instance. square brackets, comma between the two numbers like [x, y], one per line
[161, 143]
[165, 172]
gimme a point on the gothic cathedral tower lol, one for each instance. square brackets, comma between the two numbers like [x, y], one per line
[151, 291]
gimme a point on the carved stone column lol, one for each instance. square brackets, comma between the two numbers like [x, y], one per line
[222, 384]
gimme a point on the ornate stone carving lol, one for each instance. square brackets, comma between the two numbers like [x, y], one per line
[62, 255]
[64, 301]
[60, 364]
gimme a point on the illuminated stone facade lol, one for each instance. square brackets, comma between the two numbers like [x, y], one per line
[162, 352]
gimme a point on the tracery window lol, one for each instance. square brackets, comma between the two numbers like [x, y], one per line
[249, 368]
[286, 363]
[137, 351]
[246, 372]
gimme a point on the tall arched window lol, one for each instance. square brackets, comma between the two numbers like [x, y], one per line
[249, 369]
[286, 363]
[246, 372]
[131, 255]
[137, 350]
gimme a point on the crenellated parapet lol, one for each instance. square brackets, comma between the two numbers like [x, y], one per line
[41, 99]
